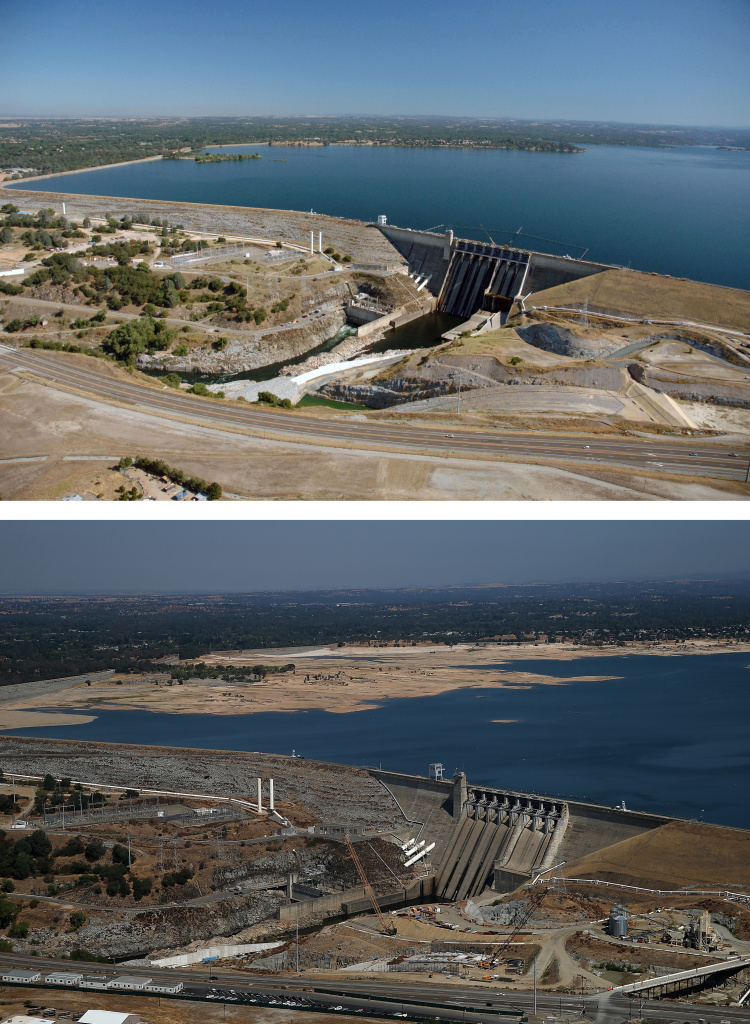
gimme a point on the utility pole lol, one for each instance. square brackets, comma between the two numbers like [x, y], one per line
[458, 407]
[130, 862]
[535, 986]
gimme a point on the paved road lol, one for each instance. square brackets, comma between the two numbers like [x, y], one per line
[711, 458]
[460, 1003]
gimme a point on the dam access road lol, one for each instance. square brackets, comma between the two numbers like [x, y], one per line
[697, 457]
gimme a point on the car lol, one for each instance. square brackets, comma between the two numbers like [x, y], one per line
[692, 453]
[733, 455]
[450, 435]
[585, 446]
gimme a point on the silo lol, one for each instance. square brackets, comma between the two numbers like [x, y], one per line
[618, 921]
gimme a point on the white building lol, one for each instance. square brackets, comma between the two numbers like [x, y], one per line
[21, 977]
[130, 983]
[64, 978]
[97, 981]
[109, 1017]
[165, 988]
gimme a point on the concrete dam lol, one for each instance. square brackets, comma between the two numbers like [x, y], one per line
[499, 838]
[466, 276]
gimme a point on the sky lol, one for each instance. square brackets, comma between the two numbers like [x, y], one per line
[652, 61]
[243, 556]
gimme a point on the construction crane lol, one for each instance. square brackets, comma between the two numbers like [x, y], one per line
[386, 929]
[531, 906]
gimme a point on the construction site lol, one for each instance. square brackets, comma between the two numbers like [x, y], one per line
[279, 866]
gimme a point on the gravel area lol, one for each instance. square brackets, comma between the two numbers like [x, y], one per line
[333, 793]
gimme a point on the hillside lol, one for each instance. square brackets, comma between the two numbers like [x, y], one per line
[674, 856]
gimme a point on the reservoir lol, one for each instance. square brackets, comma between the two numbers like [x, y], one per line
[682, 211]
[668, 735]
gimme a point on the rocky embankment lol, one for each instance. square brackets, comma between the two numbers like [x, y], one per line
[386, 394]
[564, 342]
[329, 792]
[251, 353]
[162, 927]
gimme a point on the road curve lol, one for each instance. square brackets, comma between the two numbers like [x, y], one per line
[710, 458]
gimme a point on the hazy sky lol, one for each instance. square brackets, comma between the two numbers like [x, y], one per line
[665, 61]
[120, 557]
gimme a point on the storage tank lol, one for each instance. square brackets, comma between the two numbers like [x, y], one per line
[618, 921]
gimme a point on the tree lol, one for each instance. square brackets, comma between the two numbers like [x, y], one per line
[8, 885]
[120, 855]
[86, 222]
[94, 850]
[39, 843]
[6, 235]
[49, 782]
[8, 912]
[19, 930]
[125, 461]
[141, 887]
[214, 492]
[77, 920]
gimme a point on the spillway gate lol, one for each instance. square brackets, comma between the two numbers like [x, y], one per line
[482, 276]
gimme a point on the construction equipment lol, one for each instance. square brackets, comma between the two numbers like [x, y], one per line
[533, 903]
[385, 928]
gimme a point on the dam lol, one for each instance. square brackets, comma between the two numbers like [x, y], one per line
[466, 276]
[499, 838]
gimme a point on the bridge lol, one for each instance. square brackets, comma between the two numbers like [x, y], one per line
[682, 981]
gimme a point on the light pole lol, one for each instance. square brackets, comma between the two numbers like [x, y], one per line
[535, 986]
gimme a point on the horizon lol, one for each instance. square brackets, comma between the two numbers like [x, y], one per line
[139, 116]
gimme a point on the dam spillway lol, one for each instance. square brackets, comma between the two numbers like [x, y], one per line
[482, 276]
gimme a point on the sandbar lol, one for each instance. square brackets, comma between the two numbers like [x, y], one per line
[13, 719]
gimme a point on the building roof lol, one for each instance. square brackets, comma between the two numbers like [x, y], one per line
[108, 1017]
[21, 975]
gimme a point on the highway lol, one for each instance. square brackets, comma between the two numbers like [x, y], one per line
[390, 997]
[692, 456]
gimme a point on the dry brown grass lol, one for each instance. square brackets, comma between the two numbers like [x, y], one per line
[671, 857]
[633, 292]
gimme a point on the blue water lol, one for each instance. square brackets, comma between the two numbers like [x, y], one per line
[670, 735]
[684, 212]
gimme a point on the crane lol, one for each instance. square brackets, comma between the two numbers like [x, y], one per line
[386, 929]
[531, 906]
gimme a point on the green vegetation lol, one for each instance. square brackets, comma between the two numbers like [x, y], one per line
[268, 398]
[236, 672]
[141, 887]
[128, 340]
[176, 878]
[83, 956]
[220, 158]
[311, 401]
[77, 920]
[190, 483]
